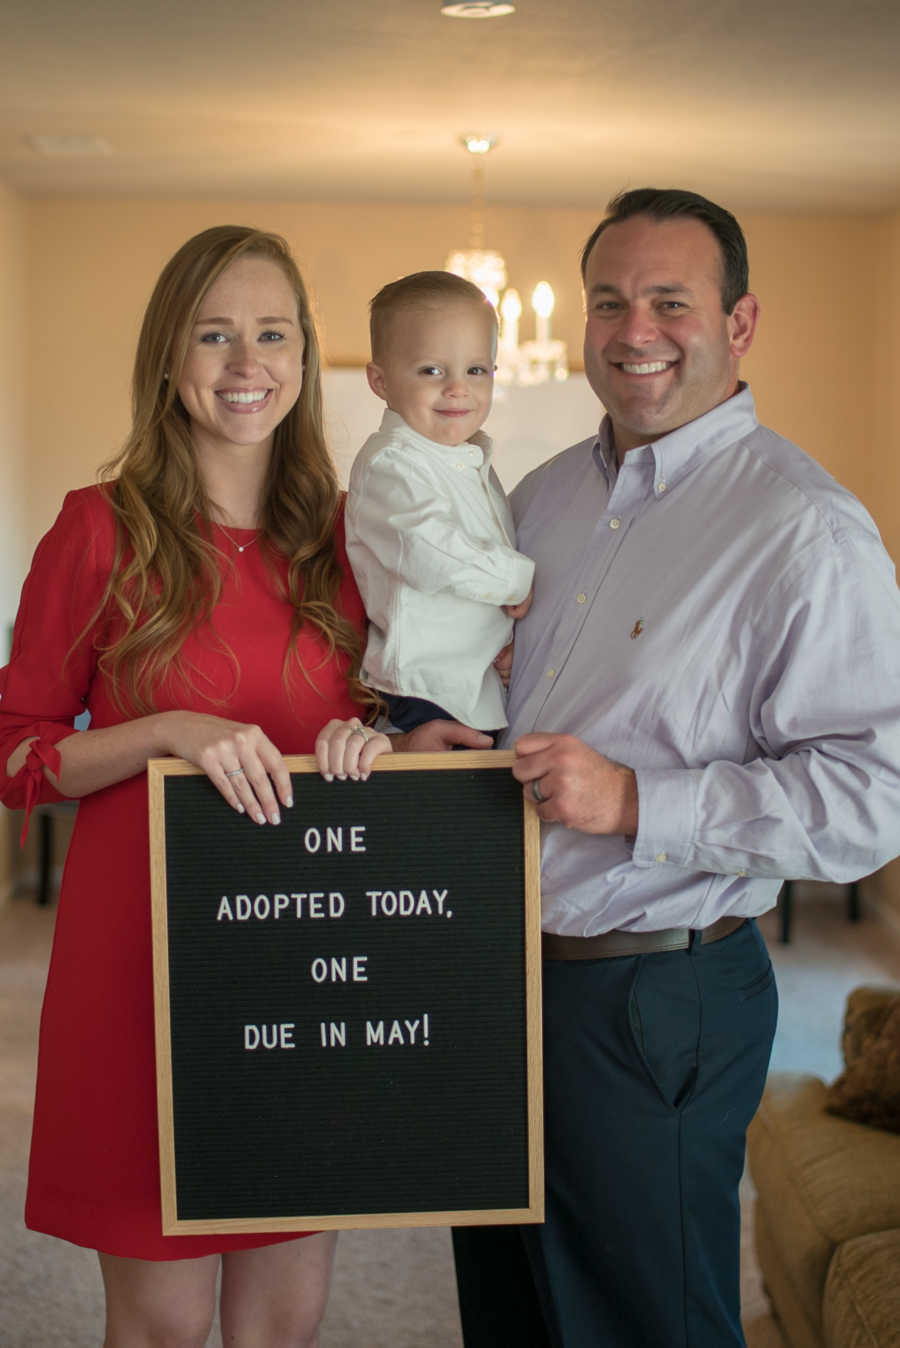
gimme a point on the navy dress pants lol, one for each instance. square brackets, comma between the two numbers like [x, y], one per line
[653, 1067]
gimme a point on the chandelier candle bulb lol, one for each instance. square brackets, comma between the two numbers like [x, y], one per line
[510, 311]
[542, 302]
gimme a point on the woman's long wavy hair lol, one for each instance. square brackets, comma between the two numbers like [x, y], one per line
[166, 579]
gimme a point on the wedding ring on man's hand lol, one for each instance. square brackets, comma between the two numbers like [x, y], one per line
[536, 791]
[361, 730]
[235, 772]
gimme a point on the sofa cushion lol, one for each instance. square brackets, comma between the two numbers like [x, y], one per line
[820, 1179]
[868, 1090]
[839, 1172]
[862, 1294]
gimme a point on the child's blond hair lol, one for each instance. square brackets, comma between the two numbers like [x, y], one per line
[419, 290]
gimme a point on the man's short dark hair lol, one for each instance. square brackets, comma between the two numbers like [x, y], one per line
[667, 203]
[419, 290]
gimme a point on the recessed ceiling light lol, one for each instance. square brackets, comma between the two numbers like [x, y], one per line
[70, 145]
[477, 9]
[477, 142]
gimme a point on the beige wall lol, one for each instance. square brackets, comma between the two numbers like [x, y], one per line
[811, 378]
[12, 445]
[825, 360]
[12, 405]
[882, 493]
[884, 464]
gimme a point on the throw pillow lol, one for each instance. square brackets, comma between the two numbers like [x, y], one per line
[868, 1090]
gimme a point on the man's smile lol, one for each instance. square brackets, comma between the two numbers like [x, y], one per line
[645, 367]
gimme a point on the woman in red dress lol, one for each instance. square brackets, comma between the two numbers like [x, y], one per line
[198, 603]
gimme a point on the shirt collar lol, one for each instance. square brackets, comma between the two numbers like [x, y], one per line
[688, 446]
[604, 452]
[393, 424]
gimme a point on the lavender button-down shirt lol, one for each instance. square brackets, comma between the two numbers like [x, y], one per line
[720, 615]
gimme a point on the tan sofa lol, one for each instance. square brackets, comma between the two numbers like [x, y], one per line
[827, 1216]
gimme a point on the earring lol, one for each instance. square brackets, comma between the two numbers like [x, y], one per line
[166, 376]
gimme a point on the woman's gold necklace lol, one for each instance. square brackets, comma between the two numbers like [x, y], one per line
[241, 547]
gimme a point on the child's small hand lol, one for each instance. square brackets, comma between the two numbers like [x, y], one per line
[519, 610]
[436, 736]
[503, 663]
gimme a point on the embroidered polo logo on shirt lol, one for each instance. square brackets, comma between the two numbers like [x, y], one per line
[637, 629]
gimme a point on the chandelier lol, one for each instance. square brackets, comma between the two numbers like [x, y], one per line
[530, 362]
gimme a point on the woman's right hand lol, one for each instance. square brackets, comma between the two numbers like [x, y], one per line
[239, 759]
[348, 749]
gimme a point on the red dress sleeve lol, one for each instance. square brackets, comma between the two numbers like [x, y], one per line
[53, 659]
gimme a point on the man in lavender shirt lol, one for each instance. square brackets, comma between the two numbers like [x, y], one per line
[704, 700]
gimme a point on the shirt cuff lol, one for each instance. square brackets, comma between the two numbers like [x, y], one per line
[667, 815]
[512, 588]
[523, 580]
[42, 754]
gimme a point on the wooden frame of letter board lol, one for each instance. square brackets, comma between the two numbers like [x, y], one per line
[532, 1127]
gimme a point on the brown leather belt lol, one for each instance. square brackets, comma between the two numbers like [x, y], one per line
[612, 943]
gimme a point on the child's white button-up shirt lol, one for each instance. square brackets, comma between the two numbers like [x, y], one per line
[430, 537]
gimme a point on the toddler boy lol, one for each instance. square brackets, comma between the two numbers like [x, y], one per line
[430, 535]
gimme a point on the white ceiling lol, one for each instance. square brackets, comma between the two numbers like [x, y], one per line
[765, 104]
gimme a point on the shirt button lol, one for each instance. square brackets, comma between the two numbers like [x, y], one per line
[660, 487]
[551, 673]
[661, 856]
[581, 599]
[742, 874]
[614, 523]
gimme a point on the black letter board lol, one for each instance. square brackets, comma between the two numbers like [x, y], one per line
[348, 1003]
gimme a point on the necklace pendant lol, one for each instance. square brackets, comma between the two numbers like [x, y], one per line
[240, 547]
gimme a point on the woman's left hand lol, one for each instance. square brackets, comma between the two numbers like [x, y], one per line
[348, 749]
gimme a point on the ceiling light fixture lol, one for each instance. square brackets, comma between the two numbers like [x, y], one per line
[477, 9]
[531, 362]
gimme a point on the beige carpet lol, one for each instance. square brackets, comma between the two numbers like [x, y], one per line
[392, 1289]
